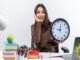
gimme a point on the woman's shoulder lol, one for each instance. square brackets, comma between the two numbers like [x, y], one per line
[33, 25]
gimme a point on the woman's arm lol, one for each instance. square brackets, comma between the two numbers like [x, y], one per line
[36, 33]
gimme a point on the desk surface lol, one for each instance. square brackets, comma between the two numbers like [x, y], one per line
[54, 58]
[65, 57]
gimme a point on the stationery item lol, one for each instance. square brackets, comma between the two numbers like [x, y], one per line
[33, 54]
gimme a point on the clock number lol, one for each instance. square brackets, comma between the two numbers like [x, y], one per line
[61, 38]
[55, 35]
[64, 35]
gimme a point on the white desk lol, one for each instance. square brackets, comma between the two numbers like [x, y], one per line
[44, 55]
[55, 58]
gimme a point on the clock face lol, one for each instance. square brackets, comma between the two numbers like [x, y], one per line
[60, 29]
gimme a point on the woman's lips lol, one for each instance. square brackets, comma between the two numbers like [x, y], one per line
[41, 17]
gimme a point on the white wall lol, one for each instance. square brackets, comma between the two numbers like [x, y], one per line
[20, 14]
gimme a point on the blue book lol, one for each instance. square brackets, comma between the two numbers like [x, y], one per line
[8, 44]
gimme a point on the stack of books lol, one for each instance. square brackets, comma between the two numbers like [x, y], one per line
[10, 51]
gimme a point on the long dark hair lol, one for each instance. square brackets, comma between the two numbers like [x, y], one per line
[46, 23]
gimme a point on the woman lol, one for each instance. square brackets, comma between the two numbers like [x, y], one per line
[41, 37]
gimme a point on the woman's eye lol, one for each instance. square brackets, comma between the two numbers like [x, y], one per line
[43, 12]
[38, 12]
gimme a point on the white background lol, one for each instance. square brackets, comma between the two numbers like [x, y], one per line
[20, 14]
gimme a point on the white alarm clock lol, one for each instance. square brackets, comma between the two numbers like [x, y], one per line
[60, 29]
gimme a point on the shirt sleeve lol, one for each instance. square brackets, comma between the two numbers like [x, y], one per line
[36, 33]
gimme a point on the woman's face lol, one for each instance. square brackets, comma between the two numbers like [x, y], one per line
[40, 13]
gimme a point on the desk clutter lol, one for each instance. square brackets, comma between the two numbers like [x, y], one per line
[27, 52]
[12, 51]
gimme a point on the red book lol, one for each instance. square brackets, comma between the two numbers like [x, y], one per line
[33, 54]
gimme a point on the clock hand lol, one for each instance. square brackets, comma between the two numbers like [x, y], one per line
[60, 27]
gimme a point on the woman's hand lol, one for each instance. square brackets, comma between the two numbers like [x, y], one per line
[37, 19]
